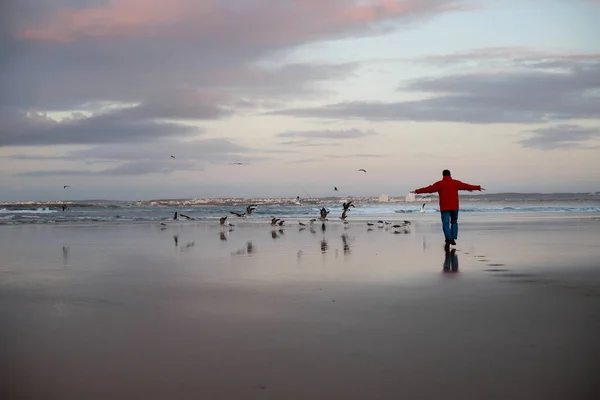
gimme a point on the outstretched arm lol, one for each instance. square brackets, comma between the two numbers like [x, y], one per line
[466, 186]
[427, 189]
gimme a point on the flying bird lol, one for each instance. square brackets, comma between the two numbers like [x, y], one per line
[274, 221]
[347, 205]
[66, 186]
[343, 217]
[238, 163]
[363, 170]
[222, 220]
[251, 209]
[241, 215]
[173, 157]
[335, 188]
[323, 212]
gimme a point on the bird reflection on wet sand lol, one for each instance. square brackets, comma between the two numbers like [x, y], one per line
[223, 235]
[346, 244]
[65, 254]
[274, 234]
[450, 261]
[324, 245]
[176, 240]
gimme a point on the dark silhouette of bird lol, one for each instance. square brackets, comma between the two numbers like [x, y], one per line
[66, 186]
[222, 220]
[281, 222]
[363, 170]
[335, 188]
[344, 216]
[323, 212]
[274, 221]
[173, 157]
[250, 209]
[347, 205]
[175, 215]
[241, 215]
[185, 216]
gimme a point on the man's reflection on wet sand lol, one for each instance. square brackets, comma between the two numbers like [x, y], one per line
[450, 261]
[65, 255]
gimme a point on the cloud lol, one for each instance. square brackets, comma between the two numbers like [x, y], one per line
[168, 60]
[19, 128]
[135, 50]
[356, 156]
[509, 56]
[256, 20]
[327, 134]
[559, 137]
[143, 167]
[549, 90]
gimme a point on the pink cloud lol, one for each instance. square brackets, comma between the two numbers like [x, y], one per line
[246, 20]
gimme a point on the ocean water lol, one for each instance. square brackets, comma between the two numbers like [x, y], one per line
[124, 213]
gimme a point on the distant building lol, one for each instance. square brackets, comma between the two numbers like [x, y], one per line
[384, 198]
[410, 197]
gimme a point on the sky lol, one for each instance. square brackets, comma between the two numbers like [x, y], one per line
[99, 94]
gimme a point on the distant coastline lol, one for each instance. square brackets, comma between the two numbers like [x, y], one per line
[236, 201]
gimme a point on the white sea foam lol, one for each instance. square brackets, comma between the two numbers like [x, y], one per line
[36, 211]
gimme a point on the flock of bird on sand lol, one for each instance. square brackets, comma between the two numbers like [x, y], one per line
[403, 227]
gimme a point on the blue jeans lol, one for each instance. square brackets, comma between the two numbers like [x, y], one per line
[450, 224]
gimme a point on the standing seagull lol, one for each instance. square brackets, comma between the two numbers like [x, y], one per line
[422, 210]
[66, 186]
[363, 170]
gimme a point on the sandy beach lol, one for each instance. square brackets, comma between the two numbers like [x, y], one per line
[192, 310]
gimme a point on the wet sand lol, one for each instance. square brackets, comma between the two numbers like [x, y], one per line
[190, 310]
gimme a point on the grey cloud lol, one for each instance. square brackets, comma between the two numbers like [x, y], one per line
[328, 134]
[183, 59]
[204, 149]
[130, 168]
[559, 136]
[30, 129]
[34, 157]
[148, 158]
[531, 57]
[357, 156]
[67, 55]
[513, 96]
[306, 143]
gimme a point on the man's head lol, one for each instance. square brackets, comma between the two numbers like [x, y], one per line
[446, 172]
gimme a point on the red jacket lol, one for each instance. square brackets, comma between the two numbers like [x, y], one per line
[448, 189]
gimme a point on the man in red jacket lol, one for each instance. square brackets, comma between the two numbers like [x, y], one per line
[448, 190]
